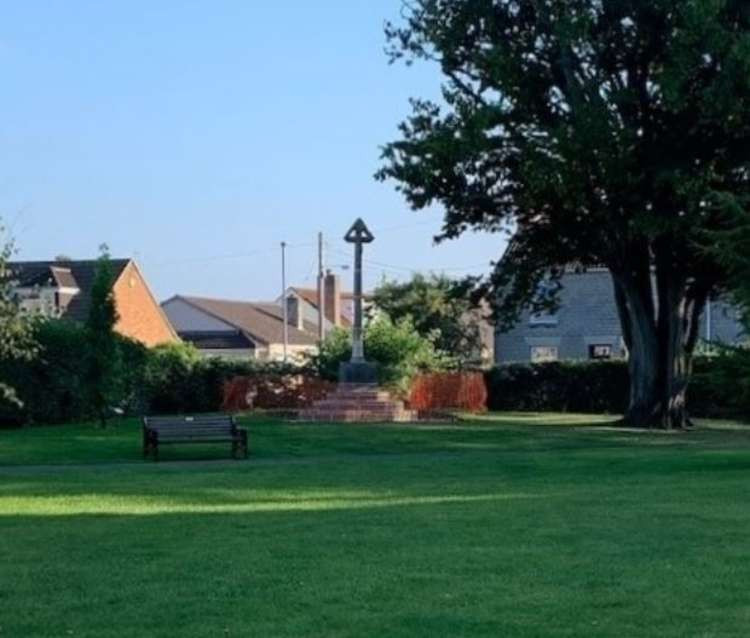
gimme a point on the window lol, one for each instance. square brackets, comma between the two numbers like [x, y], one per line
[600, 351]
[540, 354]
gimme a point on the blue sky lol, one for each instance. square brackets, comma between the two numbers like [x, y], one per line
[196, 136]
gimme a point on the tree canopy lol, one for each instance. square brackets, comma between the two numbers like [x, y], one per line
[440, 308]
[595, 132]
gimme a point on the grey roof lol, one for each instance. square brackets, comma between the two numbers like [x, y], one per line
[261, 322]
[68, 274]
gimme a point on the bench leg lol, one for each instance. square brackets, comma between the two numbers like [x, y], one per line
[239, 446]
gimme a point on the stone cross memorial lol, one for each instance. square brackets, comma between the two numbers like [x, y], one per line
[358, 370]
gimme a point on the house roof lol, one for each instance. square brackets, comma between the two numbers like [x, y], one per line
[65, 274]
[259, 321]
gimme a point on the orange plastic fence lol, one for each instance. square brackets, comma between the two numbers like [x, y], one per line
[273, 392]
[449, 390]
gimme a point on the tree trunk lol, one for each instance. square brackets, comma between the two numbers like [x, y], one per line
[660, 338]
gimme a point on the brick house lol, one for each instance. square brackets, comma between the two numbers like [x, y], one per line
[62, 289]
[586, 325]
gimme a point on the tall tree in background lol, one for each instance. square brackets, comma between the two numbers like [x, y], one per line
[597, 132]
[103, 365]
[439, 307]
[16, 328]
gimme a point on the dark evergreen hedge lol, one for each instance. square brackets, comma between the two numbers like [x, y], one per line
[559, 386]
[717, 388]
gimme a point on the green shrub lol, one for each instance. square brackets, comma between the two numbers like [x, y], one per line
[721, 384]
[53, 386]
[559, 386]
[399, 351]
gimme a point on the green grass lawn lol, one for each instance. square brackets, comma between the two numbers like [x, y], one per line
[511, 525]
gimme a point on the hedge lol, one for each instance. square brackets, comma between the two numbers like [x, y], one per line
[559, 386]
[717, 388]
[171, 379]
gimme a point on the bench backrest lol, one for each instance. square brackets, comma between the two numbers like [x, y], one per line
[203, 424]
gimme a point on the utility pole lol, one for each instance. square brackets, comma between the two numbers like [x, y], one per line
[321, 292]
[284, 309]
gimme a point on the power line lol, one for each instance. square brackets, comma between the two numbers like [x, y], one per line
[381, 264]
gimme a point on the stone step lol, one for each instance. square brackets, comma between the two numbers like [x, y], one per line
[357, 416]
[350, 404]
[373, 395]
[358, 402]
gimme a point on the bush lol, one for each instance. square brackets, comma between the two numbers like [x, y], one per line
[449, 390]
[560, 386]
[53, 385]
[721, 384]
[399, 351]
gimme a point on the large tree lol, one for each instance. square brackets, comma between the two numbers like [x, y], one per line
[596, 132]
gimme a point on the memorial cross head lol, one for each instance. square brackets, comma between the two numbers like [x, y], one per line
[359, 233]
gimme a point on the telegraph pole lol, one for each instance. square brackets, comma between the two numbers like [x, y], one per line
[321, 292]
[284, 309]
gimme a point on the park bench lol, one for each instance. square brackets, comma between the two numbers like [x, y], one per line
[212, 428]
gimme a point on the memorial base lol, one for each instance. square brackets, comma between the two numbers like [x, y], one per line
[358, 372]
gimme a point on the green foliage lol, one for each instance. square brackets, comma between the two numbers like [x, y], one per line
[440, 309]
[53, 386]
[730, 246]
[584, 126]
[16, 328]
[400, 351]
[104, 366]
[721, 383]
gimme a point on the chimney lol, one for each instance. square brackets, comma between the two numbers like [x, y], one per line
[332, 296]
[294, 312]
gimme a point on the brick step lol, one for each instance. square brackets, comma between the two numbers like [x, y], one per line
[369, 395]
[357, 386]
[357, 416]
[358, 402]
[358, 405]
